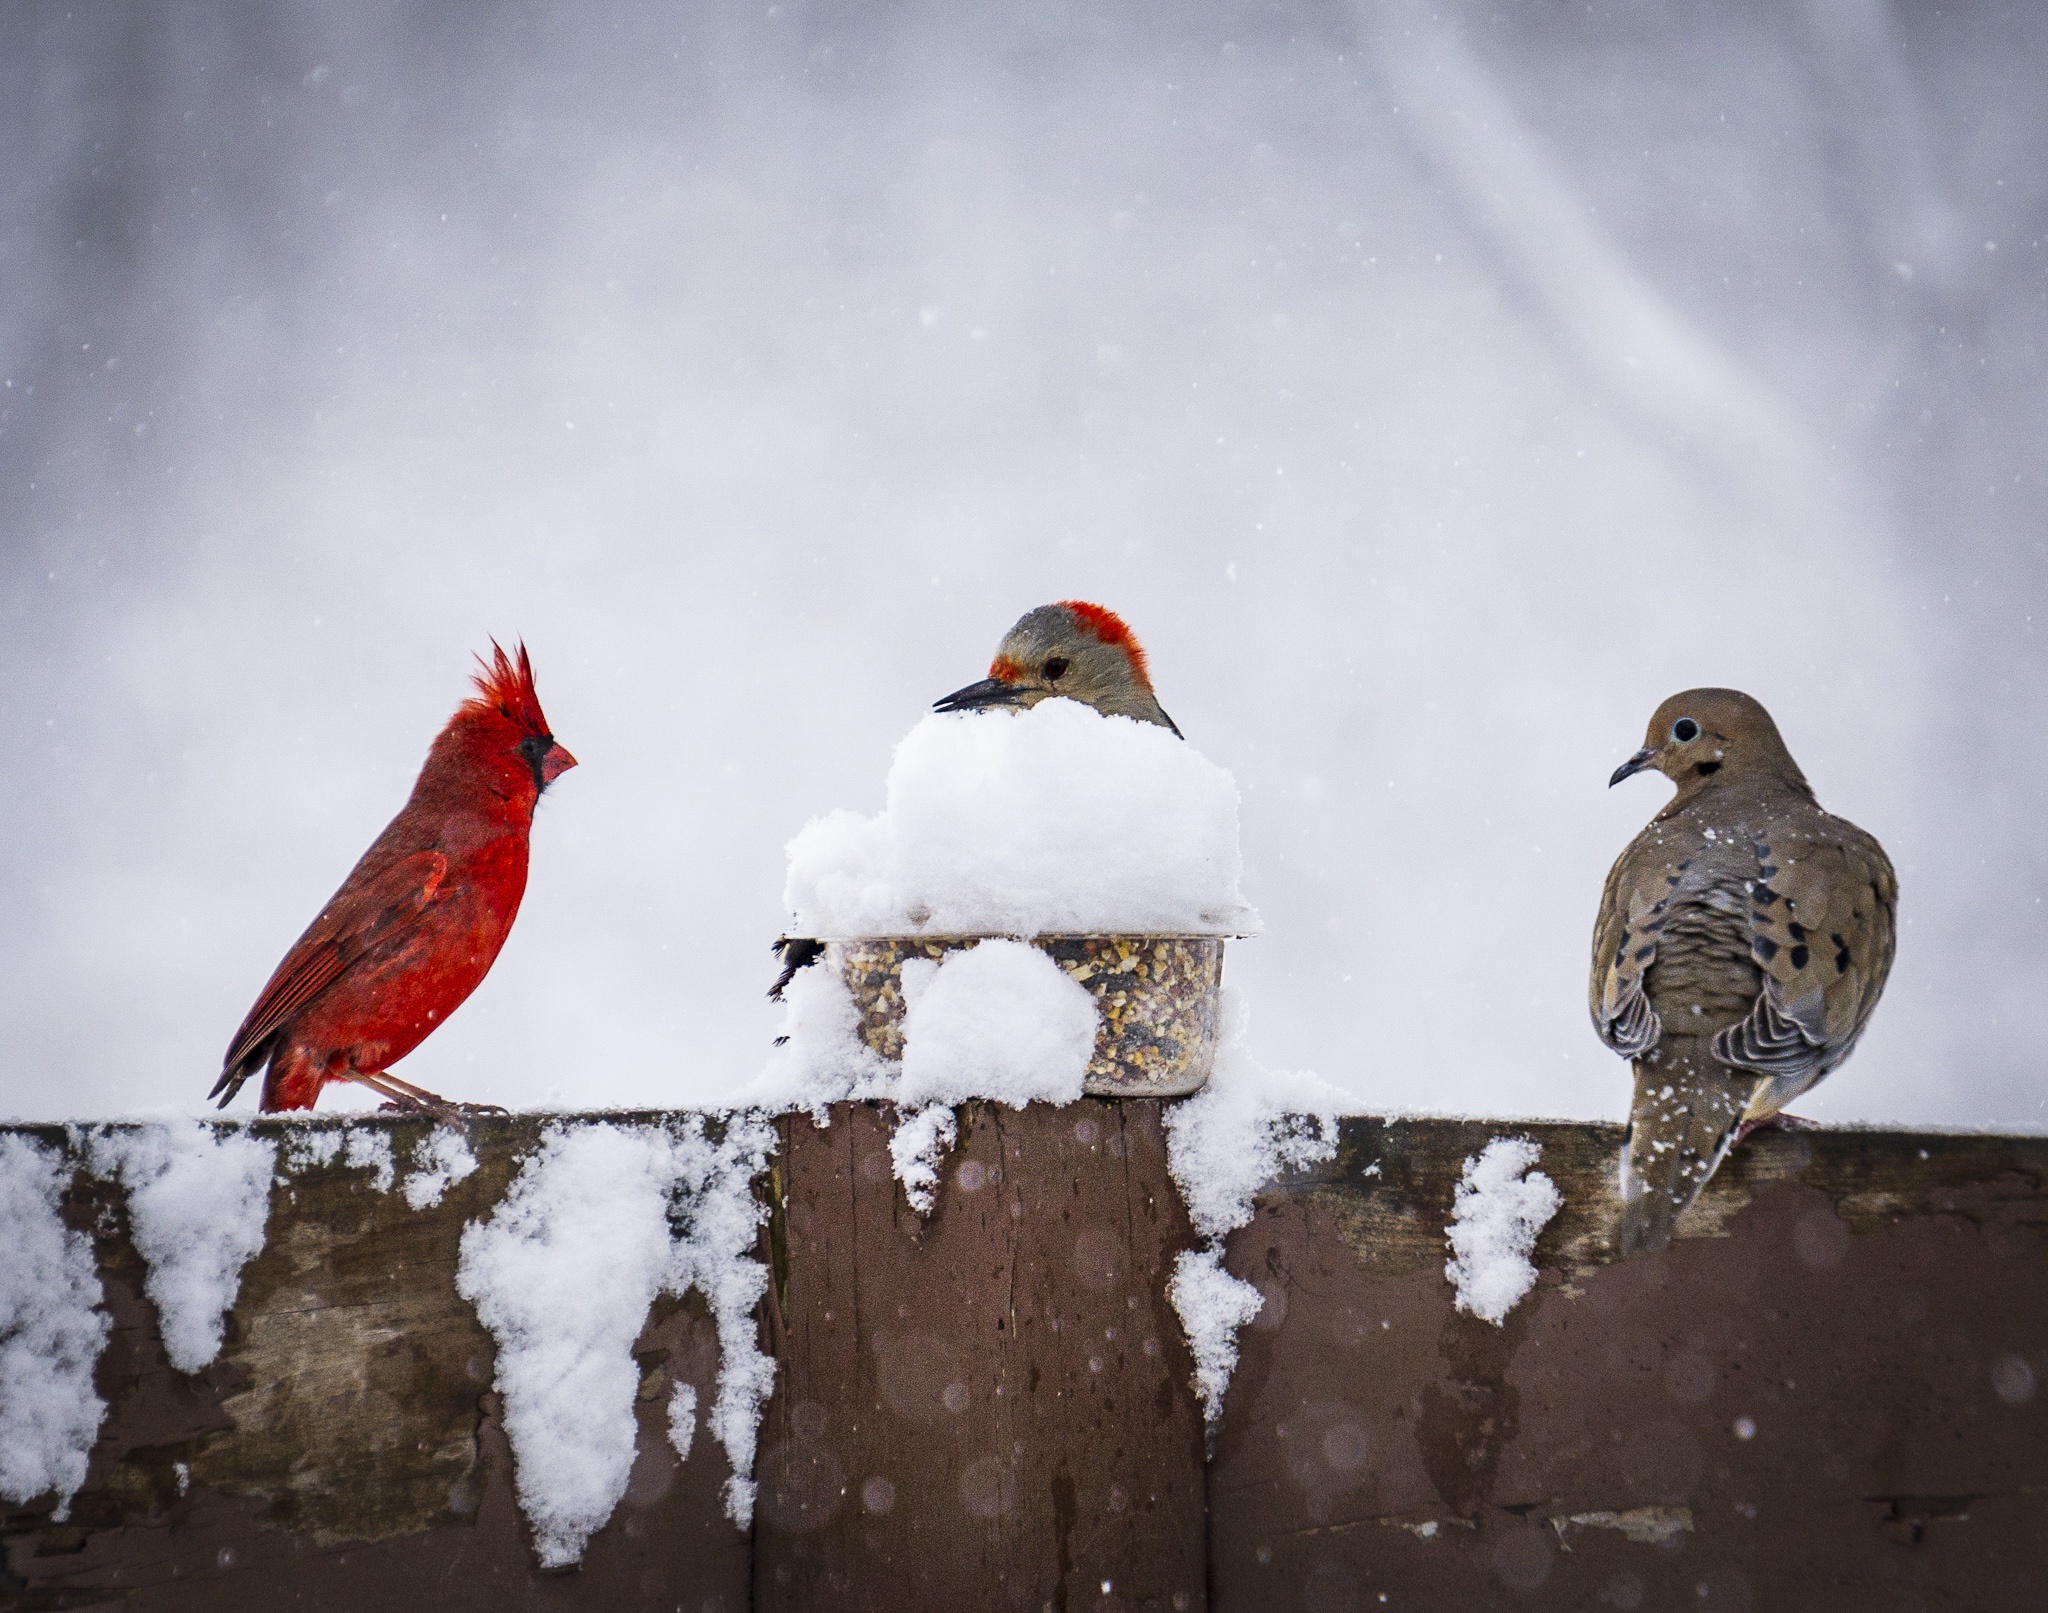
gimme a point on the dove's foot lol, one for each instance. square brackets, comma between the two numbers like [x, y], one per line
[1777, 1122]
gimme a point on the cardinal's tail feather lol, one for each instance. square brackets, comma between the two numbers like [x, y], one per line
[239, 1070]
[1686, 1116]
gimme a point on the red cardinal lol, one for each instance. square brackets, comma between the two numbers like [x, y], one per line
[416, 927]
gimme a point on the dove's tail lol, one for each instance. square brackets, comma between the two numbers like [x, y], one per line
[1688, 1108]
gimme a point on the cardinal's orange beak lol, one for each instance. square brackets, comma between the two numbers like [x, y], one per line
[553, 765]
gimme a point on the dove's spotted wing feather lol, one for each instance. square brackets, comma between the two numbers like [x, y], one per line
[1822, 932]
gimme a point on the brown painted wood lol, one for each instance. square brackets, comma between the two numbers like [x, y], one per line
[1870, 1309]
[345, 1451]
[991, 1408]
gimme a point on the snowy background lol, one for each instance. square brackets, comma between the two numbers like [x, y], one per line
[1434, 390]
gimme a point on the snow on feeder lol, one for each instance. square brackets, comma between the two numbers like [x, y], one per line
[1109, 845]
[1157, 998]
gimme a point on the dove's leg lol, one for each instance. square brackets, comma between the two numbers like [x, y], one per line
[1686, 1114]
[1776, 1122]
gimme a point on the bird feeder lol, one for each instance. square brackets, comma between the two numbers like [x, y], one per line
[1158, 1001]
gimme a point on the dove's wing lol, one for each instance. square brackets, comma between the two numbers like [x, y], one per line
[1822, 930]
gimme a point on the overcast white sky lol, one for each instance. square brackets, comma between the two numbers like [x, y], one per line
[1433, 390]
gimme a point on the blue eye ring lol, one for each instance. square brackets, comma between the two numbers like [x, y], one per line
[1685, 731]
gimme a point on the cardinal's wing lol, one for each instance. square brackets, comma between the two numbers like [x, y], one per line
[371, 910]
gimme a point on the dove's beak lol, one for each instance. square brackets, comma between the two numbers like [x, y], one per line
[1634, 765]
[988, 692]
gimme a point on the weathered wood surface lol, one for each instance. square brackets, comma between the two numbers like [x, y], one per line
[992, 1407]
[1869, 1309]
[345, 1451]
[1827, 1395]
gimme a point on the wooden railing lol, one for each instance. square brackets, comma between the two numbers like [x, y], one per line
[1831, 1393]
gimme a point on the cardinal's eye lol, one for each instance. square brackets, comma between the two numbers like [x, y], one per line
[1685, 730]
[1055, 668]
[534, 749]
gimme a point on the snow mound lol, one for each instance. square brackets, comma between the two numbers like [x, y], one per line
[1494, 1223]
[600, 1221]
[1223, 1145]
[1052, 820]
[198, 1199]
[437, 1165]
[51, 1331]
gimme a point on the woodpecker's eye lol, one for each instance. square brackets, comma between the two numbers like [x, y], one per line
[1685, 730]
[1055, 668]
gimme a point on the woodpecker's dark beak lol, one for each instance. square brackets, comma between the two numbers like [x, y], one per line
[988, 692]
[1634, 765]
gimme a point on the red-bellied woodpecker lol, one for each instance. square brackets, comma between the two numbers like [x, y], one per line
[1071, 651]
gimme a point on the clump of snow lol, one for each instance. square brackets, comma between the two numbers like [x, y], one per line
[819, 1058]
[917, 1147]
[437, 1165]
[682, 1419]
[1213, 1305]
[198, 1198]
[1494, 1223]
[370, 1149]
[310, 1145]
[1244, 1128]
[51, 1331]
[998, 1020]
[1223, 1145]
[601, 1220]
[1056, 819]
[563, 1276]
[714, 1256]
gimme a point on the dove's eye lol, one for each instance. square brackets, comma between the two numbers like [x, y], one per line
[1685, 730]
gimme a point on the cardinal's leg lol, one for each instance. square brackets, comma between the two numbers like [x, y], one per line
[405, 1097]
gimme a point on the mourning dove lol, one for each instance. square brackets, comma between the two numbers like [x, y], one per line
[1743, 939]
